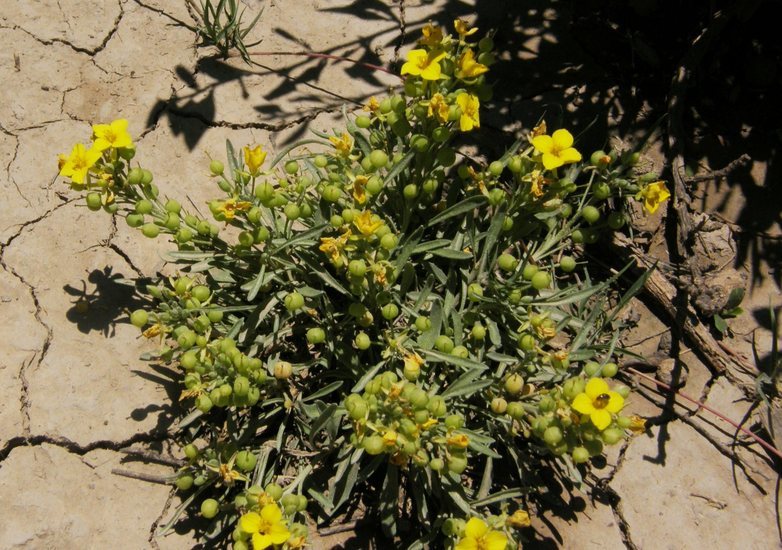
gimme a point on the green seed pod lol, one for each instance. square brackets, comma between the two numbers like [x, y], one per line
[362, 341]
[209, 508]
[139, 318]
[294, 301]
[245, 461]
[591, 214]
[444, 344]
[540, 280]
[150, 230]
[567, 264]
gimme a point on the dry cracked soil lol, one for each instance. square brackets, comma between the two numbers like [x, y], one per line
[74, 396]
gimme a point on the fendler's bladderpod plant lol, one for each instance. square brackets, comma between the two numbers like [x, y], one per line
[382, 325]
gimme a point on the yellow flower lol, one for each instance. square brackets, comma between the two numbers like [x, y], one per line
[433, 35]
[266, 528]
[372, 105]
[343, 145]
[389, 438]
[114, 135]
[413, 362]
[297, 542]
[598, 401]
[153, 331]
[254, 158]
[468, 67]
[537, 181]
[424, 64]
[334, 246]
[470, 106]
[557, 149]
[653, 195]
[230, 207]
[637, 424]
[359, 189]
[79, 163]
[463, 29]
[366, 225]
[459, 441]
[429, 423]
[539, 130]
[62, 158]
[438, 107]
[478, 536]
[519, 519]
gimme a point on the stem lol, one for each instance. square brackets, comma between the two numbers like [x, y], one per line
[770, 448]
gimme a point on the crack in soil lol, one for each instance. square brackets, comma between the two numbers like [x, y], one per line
[402, 32]
[163, 13]
[603, 489]
[688, 418]
[87, 51]
[155, 524]
[76, 448]
[25, 397]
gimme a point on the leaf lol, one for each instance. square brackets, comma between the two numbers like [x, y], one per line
[387, 506]
[398, 167]
[324, 391]
[720, 324]
[458, 209]
[255, 285]
[466, 385]
[451, 254]
[369, 375]
[497, 497]
[469, 364]
[734, 298]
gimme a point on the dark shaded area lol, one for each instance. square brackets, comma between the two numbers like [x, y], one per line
[105, 305]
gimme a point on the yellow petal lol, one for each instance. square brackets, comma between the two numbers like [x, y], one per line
[495, 540]
[431, 72]
[475, 528]
[410, 68]
[271, 513]
[601, 418]
[551, 162]
[615, 402]
[595, 387]
[570, 155]
[562, 139]
[250, 522]
[278, 533]
[261, 542]
[543, 144]
[467, 543]
[466, 123]
[582, 404]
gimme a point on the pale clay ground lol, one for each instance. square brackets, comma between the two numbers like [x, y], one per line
[73, 389]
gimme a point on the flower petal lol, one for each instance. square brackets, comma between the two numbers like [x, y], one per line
[543, 144]
[495, 540]
[562, 139]
[271, 513]
[250, 522]
[475, 528]
[261, 542]
[615, 402]
[583, 404]
[278, 533]
[551, 161]
[570, 155]
[595, 387]
[601, 418]
[431, 72]
[467, 543]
